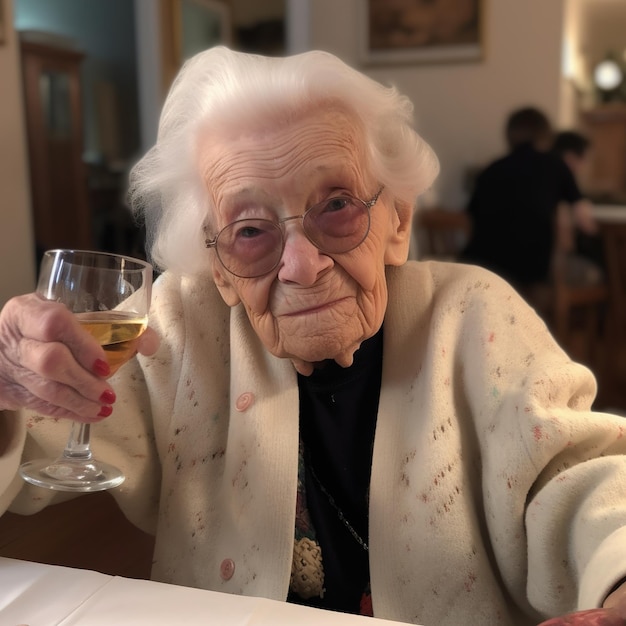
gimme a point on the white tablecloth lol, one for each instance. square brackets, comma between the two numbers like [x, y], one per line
[44, 595]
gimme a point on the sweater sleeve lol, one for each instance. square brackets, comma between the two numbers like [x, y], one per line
[553, 471]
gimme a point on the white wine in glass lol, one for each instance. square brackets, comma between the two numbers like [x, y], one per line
[110, 296]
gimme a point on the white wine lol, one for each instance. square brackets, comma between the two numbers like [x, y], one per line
[116, 331]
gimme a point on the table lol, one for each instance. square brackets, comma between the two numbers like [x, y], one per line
[33, 594]
[609, 212]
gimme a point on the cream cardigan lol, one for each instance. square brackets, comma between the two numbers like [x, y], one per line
[496, 496]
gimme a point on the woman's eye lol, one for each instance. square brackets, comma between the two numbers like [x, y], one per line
[248, 232]
[336, 204]
[253, 239]
[251, 229]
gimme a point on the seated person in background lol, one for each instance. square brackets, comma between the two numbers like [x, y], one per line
[324, 422]
[583, 245]
[514, 204]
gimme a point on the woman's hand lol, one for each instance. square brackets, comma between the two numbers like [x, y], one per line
[51, 365]
[613, 613]
[592, 617]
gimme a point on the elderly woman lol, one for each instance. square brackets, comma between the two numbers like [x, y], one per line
[324, 422]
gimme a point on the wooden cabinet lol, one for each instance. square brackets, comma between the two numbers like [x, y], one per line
[605, 125]
[54, 121]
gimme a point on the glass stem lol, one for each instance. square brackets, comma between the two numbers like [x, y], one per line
[77, 446]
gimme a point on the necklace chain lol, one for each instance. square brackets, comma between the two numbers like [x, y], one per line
[340, 514]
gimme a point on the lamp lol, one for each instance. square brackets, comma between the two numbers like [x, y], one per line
[608, 77]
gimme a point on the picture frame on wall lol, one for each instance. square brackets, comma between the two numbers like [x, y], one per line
[405, 31]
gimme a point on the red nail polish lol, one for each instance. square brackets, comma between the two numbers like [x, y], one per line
[101, 368]
[108, 396]
[105, 411]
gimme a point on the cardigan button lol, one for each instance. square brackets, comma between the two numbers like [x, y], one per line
[244, 401]
[227, 569]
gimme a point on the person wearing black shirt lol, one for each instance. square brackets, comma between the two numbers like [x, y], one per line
[514, 204]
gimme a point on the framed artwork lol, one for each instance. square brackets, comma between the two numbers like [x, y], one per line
[422, 31]
[190, 26]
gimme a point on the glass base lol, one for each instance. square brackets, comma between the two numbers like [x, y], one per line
[66, 474]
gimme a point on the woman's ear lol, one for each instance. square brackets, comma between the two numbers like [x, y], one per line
[397, 250]
[224, 285]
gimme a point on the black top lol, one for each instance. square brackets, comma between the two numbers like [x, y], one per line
[338, 409]
[513, 211]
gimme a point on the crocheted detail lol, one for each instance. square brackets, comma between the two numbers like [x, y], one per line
[307, 571]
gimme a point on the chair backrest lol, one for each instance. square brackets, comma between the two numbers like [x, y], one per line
[573, 298]
[614, 238]
[441, 233]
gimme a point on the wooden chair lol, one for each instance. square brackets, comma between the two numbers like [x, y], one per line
[574, 311]
[441, 233]
[587, 301]
[572, 306]
[614, 237]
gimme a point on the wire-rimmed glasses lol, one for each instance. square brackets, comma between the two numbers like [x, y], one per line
[253, 247]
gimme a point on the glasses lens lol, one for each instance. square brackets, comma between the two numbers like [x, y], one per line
[250, 248]
[338, 224]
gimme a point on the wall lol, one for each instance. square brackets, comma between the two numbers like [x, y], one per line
[593, 28]
[16, 244]
[605, 30]
[461, 108]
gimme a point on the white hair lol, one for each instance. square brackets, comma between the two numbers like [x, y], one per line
[220, 88]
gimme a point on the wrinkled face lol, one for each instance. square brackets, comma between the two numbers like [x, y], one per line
[313, 306]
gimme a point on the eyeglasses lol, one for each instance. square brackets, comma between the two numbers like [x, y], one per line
[250, 248]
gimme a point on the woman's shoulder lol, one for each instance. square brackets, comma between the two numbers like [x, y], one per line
[463, 302]
[439, 276]
[190, 290]
[446, 287]
[181, 301]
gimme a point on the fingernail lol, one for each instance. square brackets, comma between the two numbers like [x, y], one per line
[101, 368]
[105, 411]
[108, 396]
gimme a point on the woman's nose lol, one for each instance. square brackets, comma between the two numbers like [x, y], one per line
[301, 262]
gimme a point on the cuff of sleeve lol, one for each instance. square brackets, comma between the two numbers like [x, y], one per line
[605, 568]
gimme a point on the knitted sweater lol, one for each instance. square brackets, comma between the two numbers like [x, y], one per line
[497, 497]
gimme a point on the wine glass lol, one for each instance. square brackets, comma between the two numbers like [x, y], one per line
[110, 296]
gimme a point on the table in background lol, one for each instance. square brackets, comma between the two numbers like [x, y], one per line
[610, 212]
[45, 595]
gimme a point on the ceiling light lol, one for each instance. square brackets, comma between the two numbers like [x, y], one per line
[608, 75]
